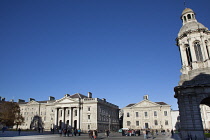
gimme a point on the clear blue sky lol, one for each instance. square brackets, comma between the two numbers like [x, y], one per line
[117, 49]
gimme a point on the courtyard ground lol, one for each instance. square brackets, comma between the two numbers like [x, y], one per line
[33, 135]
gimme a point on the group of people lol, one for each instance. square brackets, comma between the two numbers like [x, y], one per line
[131, 132]
[155, 132]
[93, 134]
[145, 132]
[67, 132]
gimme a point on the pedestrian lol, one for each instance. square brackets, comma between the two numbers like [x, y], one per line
[19, 130]
[153, 133]
[156, 132]
[68, 132]
[60, 132]
[79, 131]
[75, 132]
[172, 132]
[64, 132]
[144, 133]
[72, 132]
[94, 134]
[107, 133]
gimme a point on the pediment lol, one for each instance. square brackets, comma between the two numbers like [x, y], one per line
[145, 103]
[65, 100]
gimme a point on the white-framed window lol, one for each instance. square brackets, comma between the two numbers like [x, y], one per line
[156, 122]
[137, 114]
[88, 117]
[155, 113]
[137, 123]
[166, 122]
[128, 114]
[165, 113]
[128, 123]
[145, 114]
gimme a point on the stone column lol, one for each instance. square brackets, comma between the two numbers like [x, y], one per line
[70, 116]
[56, 117]
[63, 117]
[78, 118]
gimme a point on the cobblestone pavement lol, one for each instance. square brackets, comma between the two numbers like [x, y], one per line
[13, 135]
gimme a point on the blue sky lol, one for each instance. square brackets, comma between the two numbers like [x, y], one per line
[117, 49]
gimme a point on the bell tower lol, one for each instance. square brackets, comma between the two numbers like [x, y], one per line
[193, 42]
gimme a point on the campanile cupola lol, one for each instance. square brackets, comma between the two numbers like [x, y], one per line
[194, 45]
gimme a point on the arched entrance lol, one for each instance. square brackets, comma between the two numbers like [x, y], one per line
[75, 124]
[189, 100]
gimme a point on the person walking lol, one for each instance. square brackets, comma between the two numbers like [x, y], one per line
[145, 134]
[60, 132]
[153, 133]
[19, 130]
[172, 132]
[107, 133]
[79, 131]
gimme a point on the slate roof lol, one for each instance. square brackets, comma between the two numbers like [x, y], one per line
[161, 103]
[78, 95]
[130, 105]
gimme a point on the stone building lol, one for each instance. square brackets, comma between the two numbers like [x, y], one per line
[71, 111]
[193, 42]
[147, 114]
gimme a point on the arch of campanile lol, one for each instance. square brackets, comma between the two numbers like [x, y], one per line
[193, 42]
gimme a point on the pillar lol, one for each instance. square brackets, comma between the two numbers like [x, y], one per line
[56, 117]
[78, 118]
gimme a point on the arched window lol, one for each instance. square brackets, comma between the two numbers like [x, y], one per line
[185, 19]
[189, 16]
[207, 49]
[198, 51]
[188, 53]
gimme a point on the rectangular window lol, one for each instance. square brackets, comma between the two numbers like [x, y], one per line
[128, 115]
[88, 126]
[75, 112]
[137, 123]
[128, 123]
[88, 108]
[165, 113]
[88, 117]
[155, 113]
[137, 114]
[166, 122]
[145, 114]
[156, 122]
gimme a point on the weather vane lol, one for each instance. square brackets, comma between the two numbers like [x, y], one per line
[185, 4]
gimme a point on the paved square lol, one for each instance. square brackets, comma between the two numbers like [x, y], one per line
[13, 135]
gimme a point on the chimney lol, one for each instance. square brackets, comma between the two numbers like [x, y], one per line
[66, 95]
[31, 99]
[89, 95]
[104, 99]
[146, 97]
[51, 98]
[21, 101]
